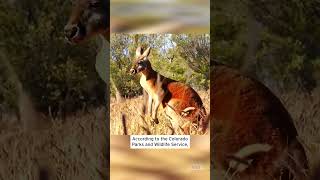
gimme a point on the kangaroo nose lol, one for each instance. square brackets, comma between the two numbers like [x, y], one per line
[133, 71]
[71, 31]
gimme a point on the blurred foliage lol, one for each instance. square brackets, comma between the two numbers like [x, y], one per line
[53, 72]
[182, 57]
[160, 16]
[278, 39]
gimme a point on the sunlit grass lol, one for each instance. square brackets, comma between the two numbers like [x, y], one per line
[137, 123]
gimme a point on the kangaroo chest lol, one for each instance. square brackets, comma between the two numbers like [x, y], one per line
[149, 86]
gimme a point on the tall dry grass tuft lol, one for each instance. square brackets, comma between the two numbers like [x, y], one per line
[124, 124]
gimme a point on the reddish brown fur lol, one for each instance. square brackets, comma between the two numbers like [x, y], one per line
[186, 96]
[245, 112]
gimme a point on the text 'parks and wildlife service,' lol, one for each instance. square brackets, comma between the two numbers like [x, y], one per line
[160, 141]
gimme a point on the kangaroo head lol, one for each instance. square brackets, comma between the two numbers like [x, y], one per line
[141, 62]
[88, 17]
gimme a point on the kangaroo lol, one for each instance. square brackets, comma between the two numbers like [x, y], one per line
[179, 100]
[88, 18]
[245, 114]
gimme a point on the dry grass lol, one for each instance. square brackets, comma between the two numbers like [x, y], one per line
[128, 116]
[305, 110]
[75, 149]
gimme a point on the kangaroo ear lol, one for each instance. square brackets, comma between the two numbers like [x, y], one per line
[146, 52]
[139, 51]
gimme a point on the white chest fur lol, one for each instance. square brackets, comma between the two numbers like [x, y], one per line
[147, 87]
[151, 88]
